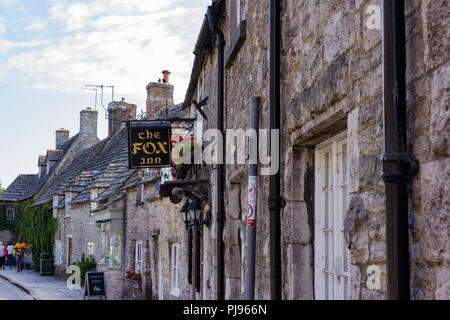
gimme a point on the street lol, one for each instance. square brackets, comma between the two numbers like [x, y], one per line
[9, 291]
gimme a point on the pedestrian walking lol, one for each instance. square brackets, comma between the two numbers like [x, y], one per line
[10, 249]
[20, 248]
[3, 254]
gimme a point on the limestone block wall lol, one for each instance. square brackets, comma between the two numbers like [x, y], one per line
[332, 81]
[166, 228]
[332, 71]
[84, 230]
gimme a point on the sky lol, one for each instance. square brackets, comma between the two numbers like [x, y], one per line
[51, 49]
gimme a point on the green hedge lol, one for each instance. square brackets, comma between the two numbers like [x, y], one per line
[37, 228]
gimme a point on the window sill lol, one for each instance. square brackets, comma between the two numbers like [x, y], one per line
[236, 43]
[140, 203]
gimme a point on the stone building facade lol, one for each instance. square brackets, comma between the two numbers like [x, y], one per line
[333, 220]
[332, 140]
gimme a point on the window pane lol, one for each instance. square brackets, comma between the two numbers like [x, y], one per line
[327, 224]
[327, 171]
[344, 201]
[330, 210]
[346, 288]
[327, 250]
[344, 162]
[345, 252]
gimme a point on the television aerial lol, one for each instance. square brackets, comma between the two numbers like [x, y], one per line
[101, 87]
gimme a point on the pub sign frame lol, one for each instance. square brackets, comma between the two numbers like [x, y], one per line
[149, 144]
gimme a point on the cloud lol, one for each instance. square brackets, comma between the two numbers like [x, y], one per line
[122, 43]
[8, 45]
[37, 26]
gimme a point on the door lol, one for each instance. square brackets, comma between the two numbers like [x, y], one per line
[69, 251]
[331, 255]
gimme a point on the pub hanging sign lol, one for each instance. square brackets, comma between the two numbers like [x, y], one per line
[149, 144]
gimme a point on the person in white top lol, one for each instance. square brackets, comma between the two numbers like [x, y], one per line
[10, 249]
[2, 255]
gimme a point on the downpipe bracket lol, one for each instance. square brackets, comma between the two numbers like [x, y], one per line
[398, 167]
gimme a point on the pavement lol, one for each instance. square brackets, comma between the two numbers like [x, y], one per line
[39, 287]
[9, 291]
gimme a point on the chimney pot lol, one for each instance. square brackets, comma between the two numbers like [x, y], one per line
[166, 74]
[159, 95]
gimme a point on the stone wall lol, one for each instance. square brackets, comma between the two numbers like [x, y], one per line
[166, 228]
[6, 236]
[157, 223]
[114, 281]
[331, 82]
[118, 113]
[159, 96]
[137, 229]
[84, 230]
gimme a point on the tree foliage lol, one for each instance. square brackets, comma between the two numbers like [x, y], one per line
[86, 264]
[4, 223]
[1, 189]
[37, 228]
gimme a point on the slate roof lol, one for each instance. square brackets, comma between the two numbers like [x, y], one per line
[103, 165]
[75, 167]
[96, 167]
[26, 186]
[115, 185]
[116, 191]
[172, 112]
[18, 187]
[54, 155]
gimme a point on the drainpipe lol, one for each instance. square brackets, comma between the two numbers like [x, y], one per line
[197, 236]
[213, 14]
[274, 200]
[190, 255]
[252, 198]
[396, 162]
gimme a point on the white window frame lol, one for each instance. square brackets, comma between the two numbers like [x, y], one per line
[58, 252]
[331, 258]
[240, 12]
[94, 194]
[10, 214]
[67, 200]
[47, 168]
[175, 270]
[138, 257]
[90, 249]
[140, 192]
[55, 205]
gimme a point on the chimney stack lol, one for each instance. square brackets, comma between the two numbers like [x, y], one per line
[42, 164]
[61, 136]
[159, 95]
[118, 112]
[88, 122]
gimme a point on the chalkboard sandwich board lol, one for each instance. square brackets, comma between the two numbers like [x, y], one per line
[95, 284]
